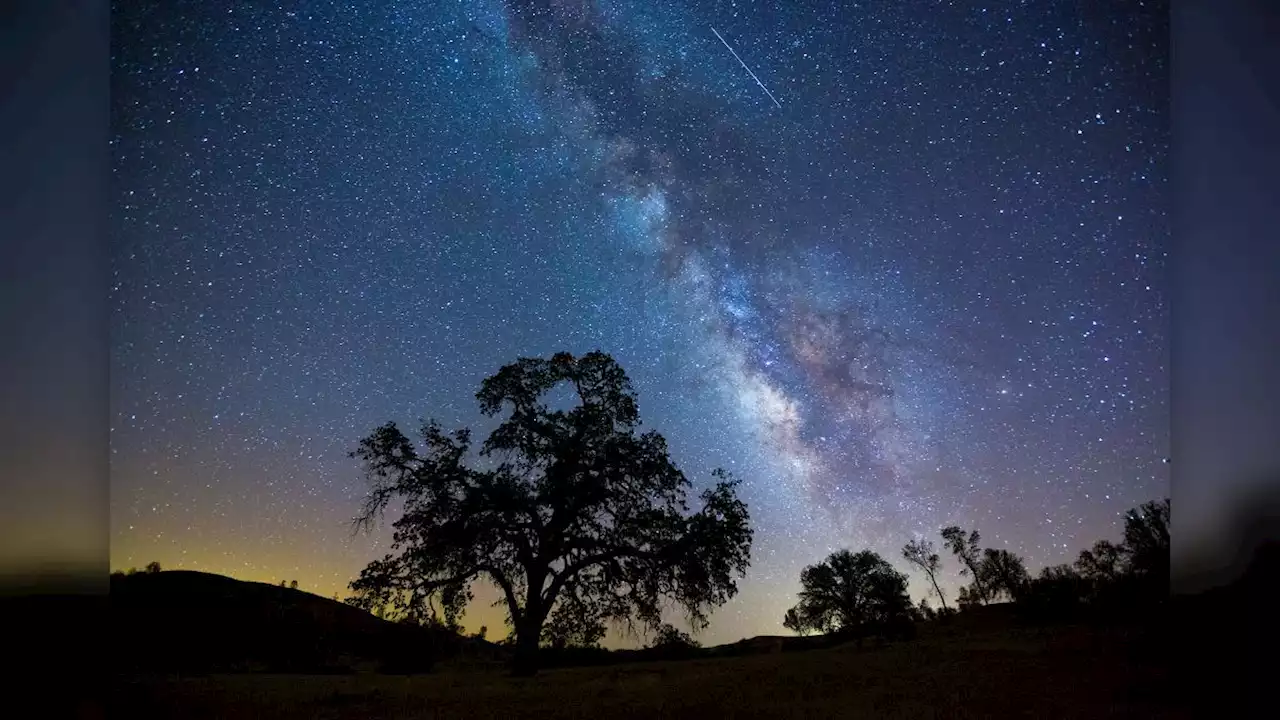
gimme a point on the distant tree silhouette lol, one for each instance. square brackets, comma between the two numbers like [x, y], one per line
[1146, 542]
[670, 636]
[965, 548]
[574, 515]
[1103, 563]
[851, 593]
[920, 553]
[791, 621]
[153, 567]
[293, 584]
[1109, 577]
[482, 633]
[924, 610]
[1004, 575]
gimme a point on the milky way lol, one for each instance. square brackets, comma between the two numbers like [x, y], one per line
[924, 288]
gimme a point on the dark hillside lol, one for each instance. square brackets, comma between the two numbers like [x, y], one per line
[184, 621]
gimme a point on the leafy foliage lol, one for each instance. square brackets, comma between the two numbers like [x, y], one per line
[1146, 541]
[850, 593]
[573, 625]
[966, 598]
[791, 621]
[1004, 575]
[153, 567]
[576, 516]
[924, 611]
[1102, 563]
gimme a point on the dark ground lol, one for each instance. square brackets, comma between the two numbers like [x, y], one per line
[1206, 655]
[991, 669]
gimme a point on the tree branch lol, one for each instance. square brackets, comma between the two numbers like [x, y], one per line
[559, 579]
[507, 589]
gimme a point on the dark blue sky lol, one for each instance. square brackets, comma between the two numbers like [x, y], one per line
[927, 289]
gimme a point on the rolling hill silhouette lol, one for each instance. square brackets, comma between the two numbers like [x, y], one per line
[194, 622]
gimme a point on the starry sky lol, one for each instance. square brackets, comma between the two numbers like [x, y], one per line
[895, 265]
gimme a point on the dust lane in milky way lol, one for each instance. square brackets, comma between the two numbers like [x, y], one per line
[927, 289]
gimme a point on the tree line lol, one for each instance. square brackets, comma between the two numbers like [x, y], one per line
[861, 593]
[151, 568]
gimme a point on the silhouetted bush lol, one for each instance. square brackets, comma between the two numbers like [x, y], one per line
[671, 643]
[579, 657]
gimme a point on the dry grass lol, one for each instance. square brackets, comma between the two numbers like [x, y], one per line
[1005, 672]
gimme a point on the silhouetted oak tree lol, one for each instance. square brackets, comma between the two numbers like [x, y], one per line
[577, 517]
[850, 593]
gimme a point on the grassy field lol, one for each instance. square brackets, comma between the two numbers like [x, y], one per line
[1001, 672]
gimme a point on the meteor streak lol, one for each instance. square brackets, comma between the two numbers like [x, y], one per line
[744, 67]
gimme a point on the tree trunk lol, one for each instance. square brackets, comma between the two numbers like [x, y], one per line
[528, 635]
[529, 631]
[942, 598]
[524, 663]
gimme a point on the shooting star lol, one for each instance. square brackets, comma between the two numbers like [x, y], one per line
[744, 67]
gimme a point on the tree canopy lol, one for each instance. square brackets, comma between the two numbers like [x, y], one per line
[1102, 563]
[575, 515]
[1146, 540]
[850, 593]
[1003, 573]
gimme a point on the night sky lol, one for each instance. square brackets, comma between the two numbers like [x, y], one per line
[904, 269]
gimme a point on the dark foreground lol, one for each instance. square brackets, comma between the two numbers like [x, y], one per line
[996, 672]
